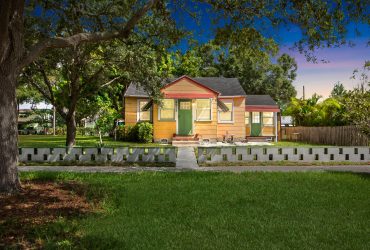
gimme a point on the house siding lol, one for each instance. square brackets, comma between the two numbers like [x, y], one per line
[162, 129]
[206, 129]
[237, 128]
[248, 130]
[268, 130]
[130, 110]
[185, 86]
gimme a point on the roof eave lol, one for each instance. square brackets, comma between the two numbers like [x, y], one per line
[145, 96]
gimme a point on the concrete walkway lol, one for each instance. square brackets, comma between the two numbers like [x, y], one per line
[239, 169]
[186, 158]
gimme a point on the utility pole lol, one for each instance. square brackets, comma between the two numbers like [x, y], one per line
[304, 96]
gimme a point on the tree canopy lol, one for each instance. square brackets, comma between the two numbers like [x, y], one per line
[29, 29]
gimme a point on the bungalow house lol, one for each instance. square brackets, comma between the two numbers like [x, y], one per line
[204, 108]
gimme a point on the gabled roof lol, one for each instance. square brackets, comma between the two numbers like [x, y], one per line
[221, 85]
[192, 80]
[135, 90]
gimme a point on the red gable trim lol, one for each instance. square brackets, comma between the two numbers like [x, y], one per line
[188, 96]
[193, 81]
[262, 108]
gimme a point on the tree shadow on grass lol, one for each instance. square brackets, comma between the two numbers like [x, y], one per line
[362, 175]
[25, 216]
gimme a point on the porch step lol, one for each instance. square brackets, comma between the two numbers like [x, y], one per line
[259, 138]
[185, 143]
[185, 137]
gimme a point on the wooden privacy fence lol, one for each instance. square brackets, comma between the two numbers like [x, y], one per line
[339, 136]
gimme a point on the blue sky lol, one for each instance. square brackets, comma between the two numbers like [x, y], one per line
[316, 77]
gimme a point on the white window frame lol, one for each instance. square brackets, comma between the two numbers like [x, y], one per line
[259, 117]
[232, 111]
[210, 110]
[272, 117]
[245, 117]
[174, 111]
[139, 110]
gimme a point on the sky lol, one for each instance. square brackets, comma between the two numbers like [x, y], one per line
[320, 77]
[316, 77]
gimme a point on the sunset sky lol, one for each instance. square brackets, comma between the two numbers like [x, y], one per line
[316, 77]
[321, 77]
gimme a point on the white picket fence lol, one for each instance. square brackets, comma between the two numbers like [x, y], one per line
[125, 154]
[296, 154]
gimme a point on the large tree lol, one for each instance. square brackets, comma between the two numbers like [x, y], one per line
[14, 56]
[322, 24]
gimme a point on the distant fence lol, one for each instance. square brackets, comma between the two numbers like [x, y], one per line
[125, 154]
[296, 154]
[339, 136]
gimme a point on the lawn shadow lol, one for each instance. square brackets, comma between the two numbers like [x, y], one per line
[362, 175]
[38, 205]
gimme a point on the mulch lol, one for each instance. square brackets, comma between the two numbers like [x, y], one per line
[37, 204]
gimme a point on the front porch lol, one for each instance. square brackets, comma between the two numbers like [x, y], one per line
[185, 140]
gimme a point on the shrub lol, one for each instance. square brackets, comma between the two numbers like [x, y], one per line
[61, 130]
[85, 131]
[144, 132]
[121, 132]
[132, 133]
[127, 133]
[141, 132]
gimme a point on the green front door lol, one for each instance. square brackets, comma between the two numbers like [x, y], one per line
[185, 117]
[256, 124]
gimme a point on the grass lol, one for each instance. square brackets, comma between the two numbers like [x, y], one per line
[279, 163]
[37, 141]
[193, 210]
[100, 164]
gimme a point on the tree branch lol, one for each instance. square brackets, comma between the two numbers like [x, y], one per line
[110, 82]
[47, 83]
[40, 89]
[77, 39]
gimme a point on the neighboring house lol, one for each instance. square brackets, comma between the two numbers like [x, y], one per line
[89, 122]
[205, 108]
[32, 121]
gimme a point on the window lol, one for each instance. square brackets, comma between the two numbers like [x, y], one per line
[167, 111]
[185, 105]
[203, 109]
[268, 118]
[228, 115]
[255, 117]
[143, 115]
[247, 118]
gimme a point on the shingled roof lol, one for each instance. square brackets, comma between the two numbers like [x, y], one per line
[265, 100]
[260, 103]
[222, 85]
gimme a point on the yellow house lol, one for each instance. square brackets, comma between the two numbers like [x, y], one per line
[203, 108]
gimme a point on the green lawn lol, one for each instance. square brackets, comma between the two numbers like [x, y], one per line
[216, 211]
[81, 141]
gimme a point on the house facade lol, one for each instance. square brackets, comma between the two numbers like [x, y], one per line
[205, 108]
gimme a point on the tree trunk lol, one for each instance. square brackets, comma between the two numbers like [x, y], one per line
[11, 50]
[71, 130]
[9, 181]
